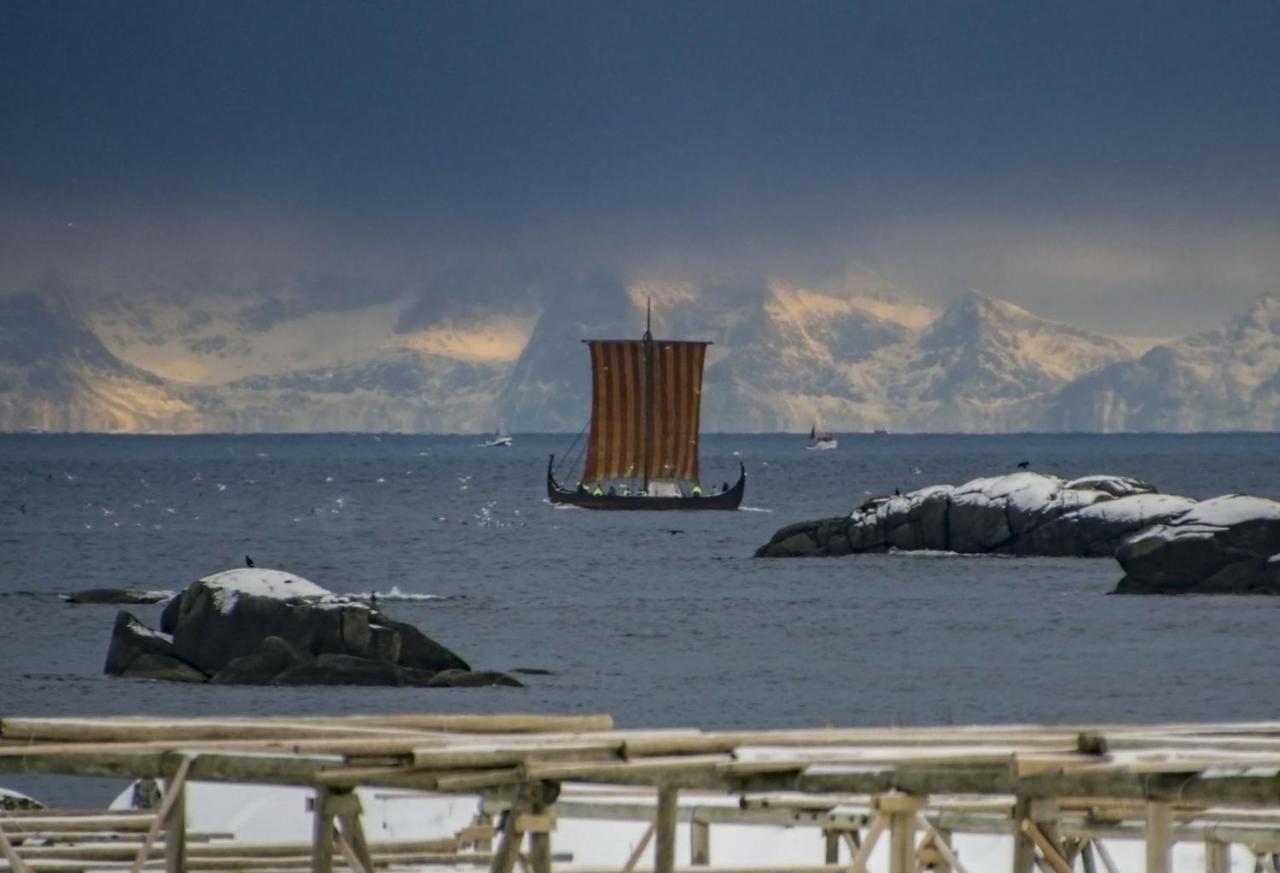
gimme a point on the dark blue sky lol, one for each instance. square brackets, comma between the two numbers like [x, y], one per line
[1073, 157]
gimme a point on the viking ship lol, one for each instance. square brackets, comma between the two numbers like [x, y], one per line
[642, 448]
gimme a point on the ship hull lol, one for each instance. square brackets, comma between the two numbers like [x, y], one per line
[730, 499]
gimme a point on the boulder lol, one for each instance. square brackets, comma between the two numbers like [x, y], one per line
[256, 626]
[1225, 545]
[272, 657]
[331, 669]
[227, 615]
[1021, 513]
[419, 651]
[166, 667]
[115, 595]
[12, 800]
[131, 640]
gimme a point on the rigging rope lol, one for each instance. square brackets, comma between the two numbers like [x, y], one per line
[569, 459]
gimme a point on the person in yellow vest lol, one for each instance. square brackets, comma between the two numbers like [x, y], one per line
[597, 491]
[696, 491]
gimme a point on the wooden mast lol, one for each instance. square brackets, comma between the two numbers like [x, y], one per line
[646, 403]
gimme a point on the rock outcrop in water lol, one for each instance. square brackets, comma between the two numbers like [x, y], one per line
[267, 627]
[115, 595]
[1017, 514]
[1225, 545]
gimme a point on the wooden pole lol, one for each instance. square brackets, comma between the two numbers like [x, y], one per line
[175, 830]
[504, 858]
[540, 838]
[1086, 858]
[878, 826]
[12, 856]
[832, 840]
[352, 831]
[1105, 857]
[942, 842]
[1024, 855]
[699, 842]
[902, 809]
[1159, 842]
[1217, 857]
[321, 833]
[171, 796]
[634, 857]
[664, 853]
[1052, 857]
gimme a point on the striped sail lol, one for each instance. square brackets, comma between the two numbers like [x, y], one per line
[645, 409]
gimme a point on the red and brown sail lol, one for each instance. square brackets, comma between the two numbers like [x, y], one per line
[645, 410]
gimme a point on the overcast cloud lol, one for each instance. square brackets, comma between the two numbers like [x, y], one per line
[1113, 164]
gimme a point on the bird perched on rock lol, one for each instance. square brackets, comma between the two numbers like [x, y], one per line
[248, 562]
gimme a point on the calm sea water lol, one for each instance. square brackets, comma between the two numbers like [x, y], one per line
[656, 628]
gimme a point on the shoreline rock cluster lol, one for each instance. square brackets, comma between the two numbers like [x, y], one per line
[1018, 514]
[1224, 545]
[267, 627]
[1165, 544]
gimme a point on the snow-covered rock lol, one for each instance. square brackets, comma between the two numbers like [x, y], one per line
[261, 626]
[1225, 545]
[1022, 514]
[10, 799]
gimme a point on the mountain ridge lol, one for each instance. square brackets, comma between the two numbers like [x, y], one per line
[783, 358]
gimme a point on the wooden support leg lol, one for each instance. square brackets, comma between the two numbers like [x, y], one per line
[173, 793]
[1052, 856]
[539, 826]
[942, 843]
[11, 856]
[175, 830]
[832, 841]
[634, 858]
[664, 853]
[504, 856]
[483, 819]
[902, 810]
[699, 842]
[1086, 858]
[1217, 857]
[322, 833]
[353, 832]
[1159, 844]
[878, 826]
[942, 839]
[1024, 854]
[1105, 857]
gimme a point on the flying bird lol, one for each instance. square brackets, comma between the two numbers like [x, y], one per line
[1022, 465]
[673, 531]
[248, 562]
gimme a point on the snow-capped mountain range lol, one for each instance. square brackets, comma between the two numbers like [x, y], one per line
[783, 359]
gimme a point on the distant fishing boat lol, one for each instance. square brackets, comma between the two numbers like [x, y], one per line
[821, 440]
[642, 449]
[499, 438]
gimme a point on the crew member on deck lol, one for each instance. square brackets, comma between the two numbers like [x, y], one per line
[597, 491]
[696, 491]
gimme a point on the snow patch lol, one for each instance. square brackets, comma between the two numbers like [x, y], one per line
[1230, 509]
[260, 582]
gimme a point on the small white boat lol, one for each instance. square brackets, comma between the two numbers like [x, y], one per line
[820, 441]
[498, 439]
